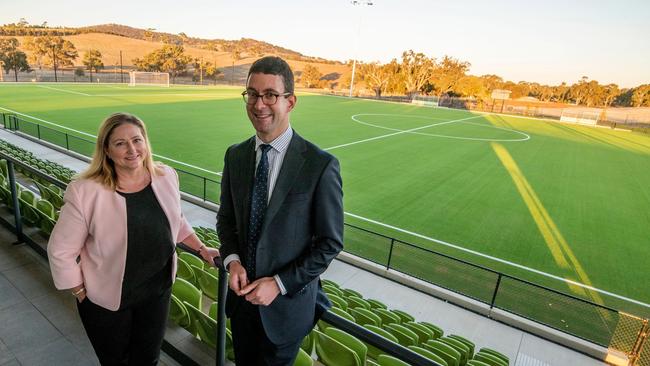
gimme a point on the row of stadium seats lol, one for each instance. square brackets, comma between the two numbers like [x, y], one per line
[50, 168]
[400, 327]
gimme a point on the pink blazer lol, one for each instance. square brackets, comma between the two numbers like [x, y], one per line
[92, 226]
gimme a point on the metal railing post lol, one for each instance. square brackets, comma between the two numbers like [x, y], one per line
[496, 290]
[390, 252]
[221, 314]
[14, 197]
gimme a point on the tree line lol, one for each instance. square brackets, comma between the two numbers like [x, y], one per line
[416, 73]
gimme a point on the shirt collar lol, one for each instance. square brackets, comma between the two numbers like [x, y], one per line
[280, 144]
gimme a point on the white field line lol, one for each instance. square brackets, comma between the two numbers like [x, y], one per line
[516, 265]
[526, 136]
[63, 90]
[397, 133]
[93, 136]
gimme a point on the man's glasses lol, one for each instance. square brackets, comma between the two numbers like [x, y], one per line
[268, 98]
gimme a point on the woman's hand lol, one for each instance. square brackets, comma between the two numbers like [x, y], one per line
[208, 254]
[79, 292]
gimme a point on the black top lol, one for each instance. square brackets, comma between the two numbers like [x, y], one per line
[150, 247]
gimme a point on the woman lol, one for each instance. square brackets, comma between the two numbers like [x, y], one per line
[113, 246]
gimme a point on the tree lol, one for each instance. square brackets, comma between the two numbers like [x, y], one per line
[310, 76]
[12, 58]
[416, 69]
[448, 73]
[378, 77]
[235, 54]
[54, 51]
[79, 72]
[93, 61]
[641, 96]
[168, 58]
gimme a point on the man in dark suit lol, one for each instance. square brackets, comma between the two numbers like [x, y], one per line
[280, 224]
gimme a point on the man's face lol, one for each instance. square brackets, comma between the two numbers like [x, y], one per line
[270, 121]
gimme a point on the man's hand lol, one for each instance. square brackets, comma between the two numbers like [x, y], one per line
[261, 291]
[238, 278]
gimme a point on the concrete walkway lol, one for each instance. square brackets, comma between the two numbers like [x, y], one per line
[28, 285]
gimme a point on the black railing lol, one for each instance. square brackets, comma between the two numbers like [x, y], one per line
[480, 283]
[363, 334]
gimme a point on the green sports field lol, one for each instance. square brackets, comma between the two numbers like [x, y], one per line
[567, 200]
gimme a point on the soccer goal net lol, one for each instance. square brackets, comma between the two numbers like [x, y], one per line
[425, 100]
[581, 116]
[148, 78]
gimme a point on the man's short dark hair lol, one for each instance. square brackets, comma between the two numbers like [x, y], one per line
[273, 65]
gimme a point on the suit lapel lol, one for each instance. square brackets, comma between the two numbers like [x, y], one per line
[293, 161]
[246, 177]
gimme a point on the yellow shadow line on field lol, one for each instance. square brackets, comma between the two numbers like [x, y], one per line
[560, 249]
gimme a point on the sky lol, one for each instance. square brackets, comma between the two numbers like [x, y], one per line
[543, 41]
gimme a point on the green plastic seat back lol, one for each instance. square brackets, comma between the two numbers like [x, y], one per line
[333, 353]
[303, 359]
[349, 341]
[351, 292]
[208, 283]
[466, 342]
[206, 327]
[45, 207]
[495, 353]
[376, 304]
[186, 291]
[386, 360]
[329, 283]
[387, 316]
[357, 302]
[333, 290]
[192, 259]
[406, 317]
[340, 312]
[364, 316]
[490, 359]
[373, 351]
[476, 363]
[428, 354]
[458, 346]
[178, 313]
[405, 336]
[184, 271]
[445, 348]
[214, 308]
[308, 343]
[338, 301]
[424, 333]
[436, 329]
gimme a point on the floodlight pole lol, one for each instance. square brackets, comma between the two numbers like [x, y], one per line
[354, 61]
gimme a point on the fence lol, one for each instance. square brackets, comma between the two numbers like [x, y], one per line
[585, 319]
[199, 186]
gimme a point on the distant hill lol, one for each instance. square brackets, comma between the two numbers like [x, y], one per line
[111, 39]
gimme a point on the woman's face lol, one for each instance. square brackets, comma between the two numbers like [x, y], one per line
[127, 147]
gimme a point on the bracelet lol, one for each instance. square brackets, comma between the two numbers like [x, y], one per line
[79, 291]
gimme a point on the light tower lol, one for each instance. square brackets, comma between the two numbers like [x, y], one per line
[354, 60]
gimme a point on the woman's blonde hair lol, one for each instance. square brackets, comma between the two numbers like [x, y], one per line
[102, 168]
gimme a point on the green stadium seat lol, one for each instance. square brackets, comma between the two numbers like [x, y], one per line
[405, 336]
[322, 325]
[373, 351]
[208, 283]
[428, 354]
[495, 353]
[466, 342]
[178, 313]
[476, 363]
[489, 359]
[333, 353]
[303, 359]
[437, 331]
[386, 360]
[376, 304]
[192, 259]
[424, 333]
[333, 290]
[207, 329]
[445, 351]
[329, 283]
[349, 341]
[186, 292]
[459, 346]
[406, 317]
[364, 316]
[357, 302]
[387, 316]
[184, 270]
[351, 292]
[308, 343]
[338, 301]
[47, 216]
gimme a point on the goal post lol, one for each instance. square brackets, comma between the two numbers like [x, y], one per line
[425, 100]
[148, 78]
[581, 116]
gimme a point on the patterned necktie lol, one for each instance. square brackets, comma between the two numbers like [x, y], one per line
[258, 209]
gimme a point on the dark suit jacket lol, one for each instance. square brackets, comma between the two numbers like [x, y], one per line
[301, 234]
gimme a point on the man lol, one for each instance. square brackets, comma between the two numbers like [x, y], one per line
[280, 224]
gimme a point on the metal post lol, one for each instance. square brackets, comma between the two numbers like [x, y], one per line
[496, 289]
[14, 196]
[221, 314]
[390, 253]
[354, 61]
[67, 143]
[38, 131]
[54, 63]
[121, 69]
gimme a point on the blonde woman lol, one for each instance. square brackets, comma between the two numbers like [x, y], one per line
[113, 245]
